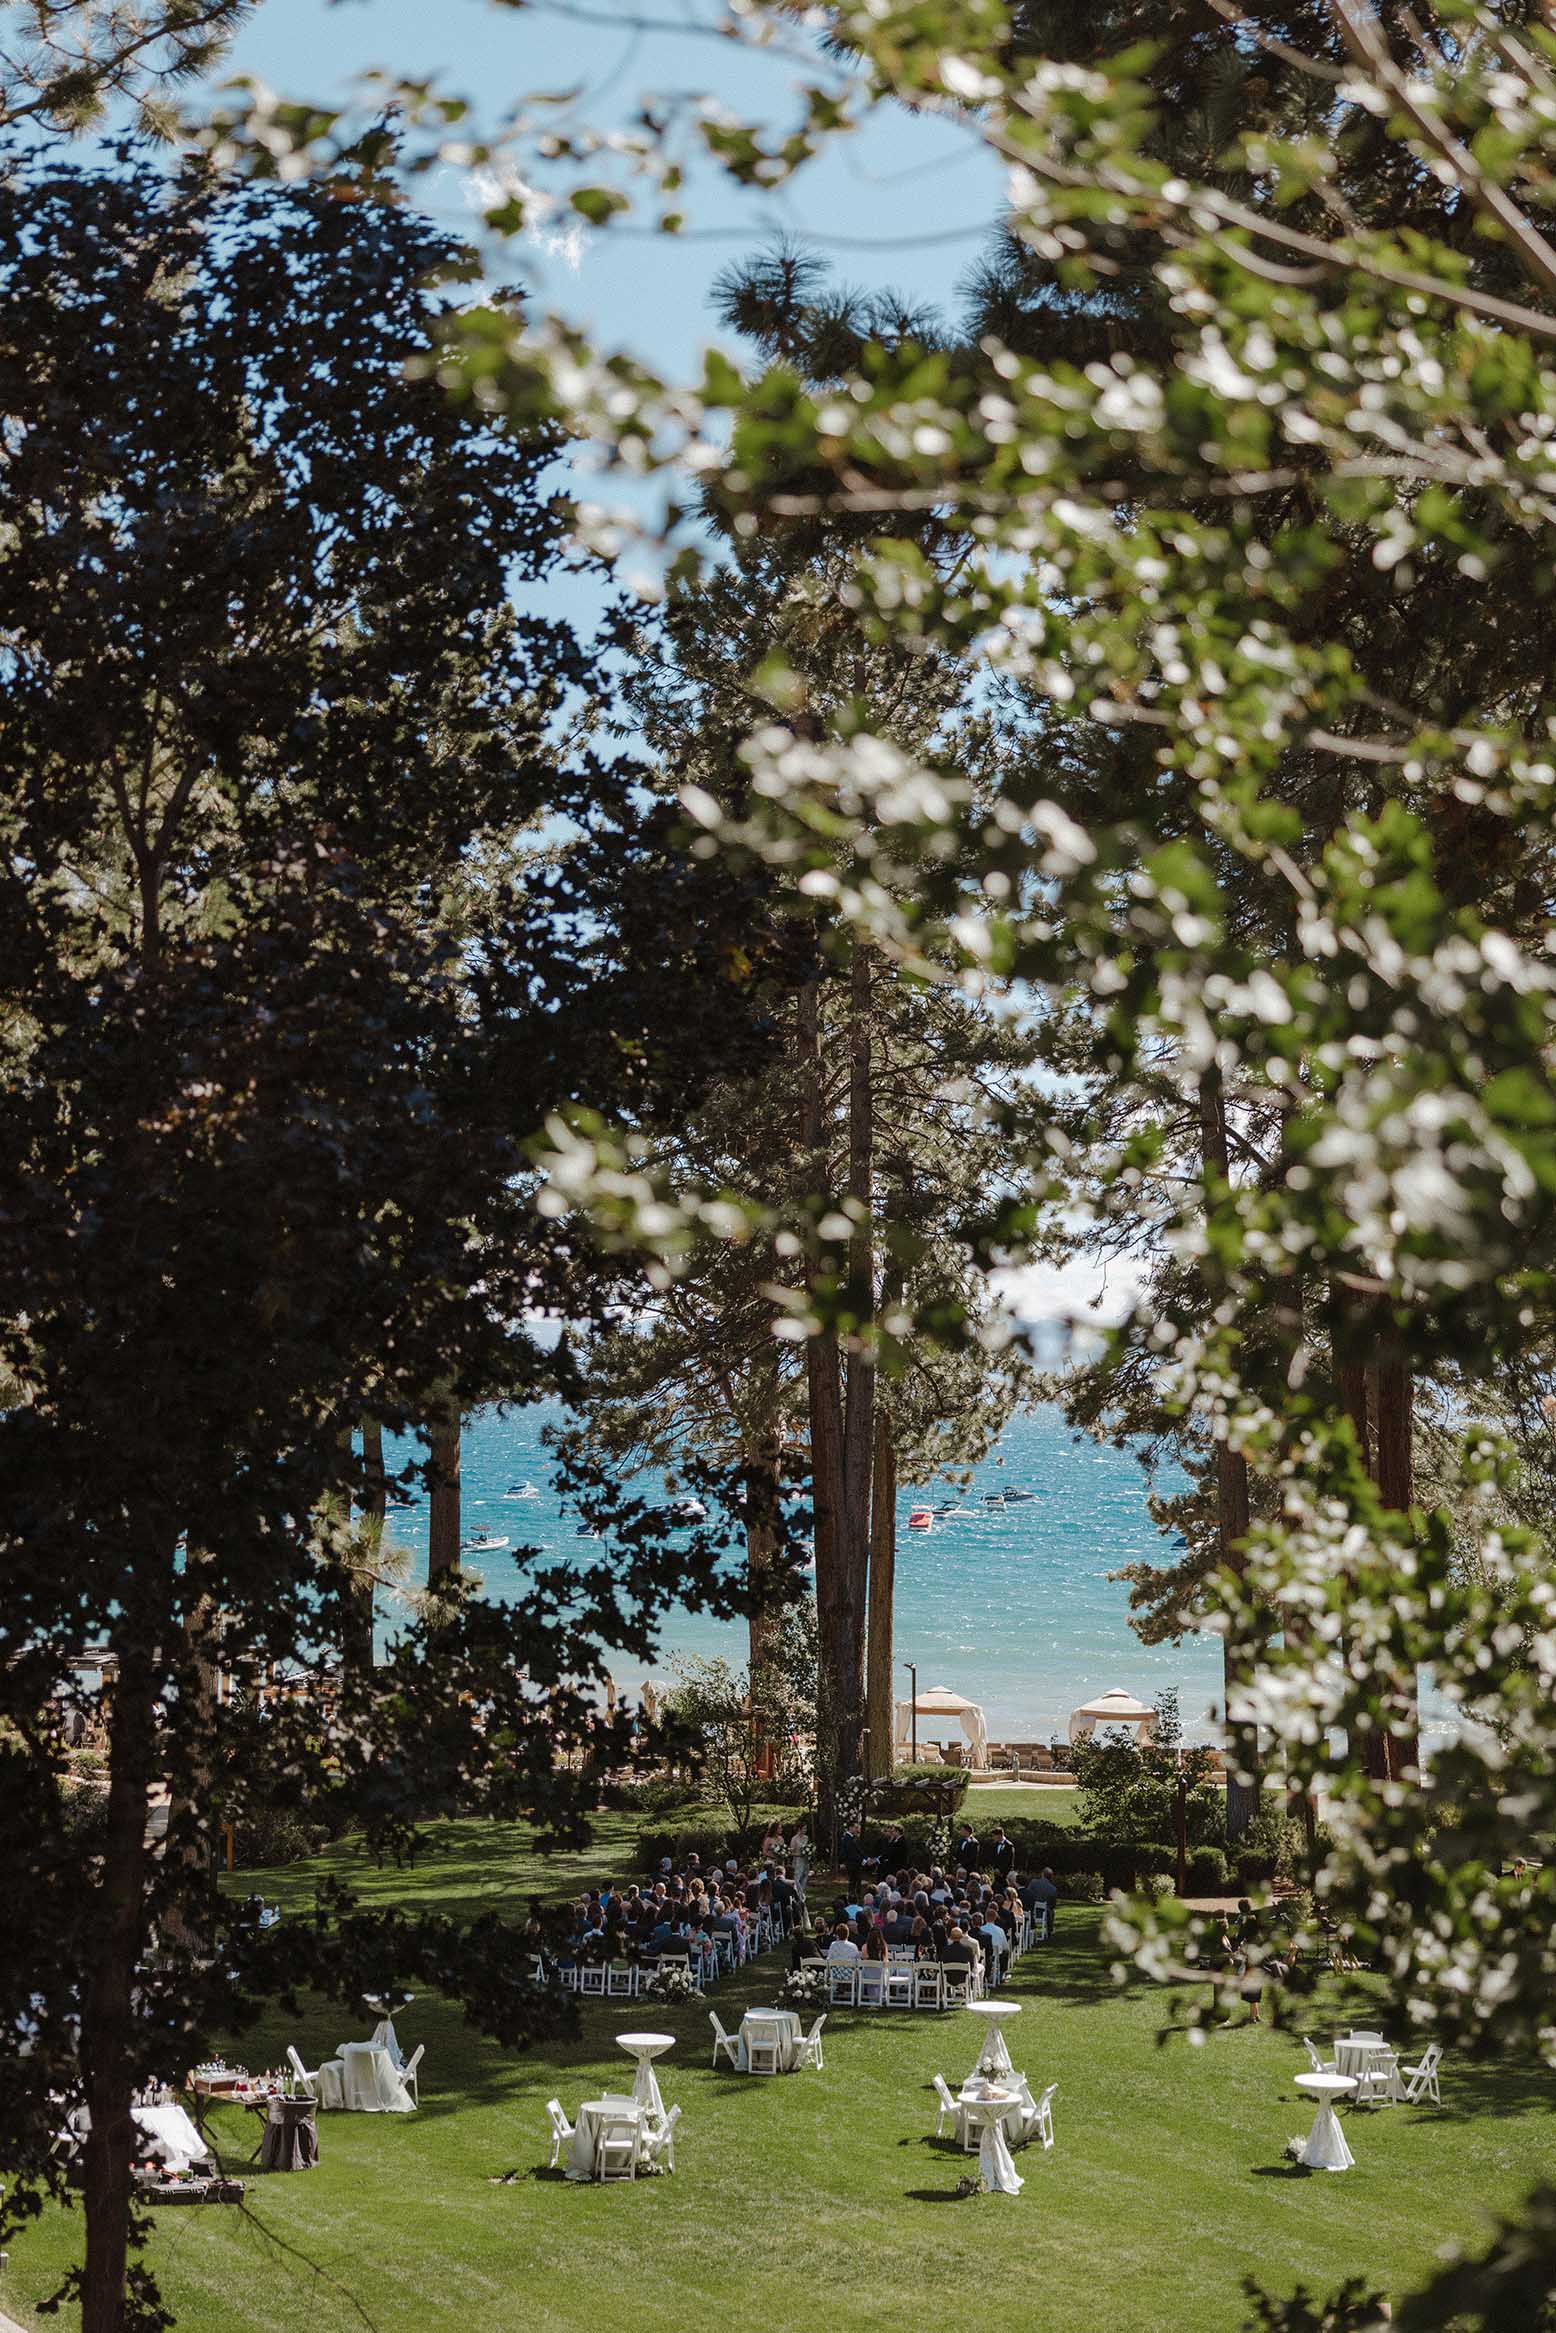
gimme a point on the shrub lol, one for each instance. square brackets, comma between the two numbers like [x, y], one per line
[661, 1795]
[1083, 1887]
[1207, 1872]
[1152, 1886]
[269, 1835]
[1253, 1866]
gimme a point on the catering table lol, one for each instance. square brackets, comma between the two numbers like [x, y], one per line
[645, 2047]
[291, 2140]
[592, 2113]
[994, 2057]
[780, 2025]
[370, 2080]
[1326, 2149]
[987, 2115]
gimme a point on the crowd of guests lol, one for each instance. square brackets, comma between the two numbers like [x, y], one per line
[970, 1908]
[697, 1910]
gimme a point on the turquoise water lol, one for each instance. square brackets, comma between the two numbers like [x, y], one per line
[1012, 1608]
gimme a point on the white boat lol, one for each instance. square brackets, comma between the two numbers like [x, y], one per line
[1016, 1498]
[521, 1490]
[689, 1511]
[484, 1543]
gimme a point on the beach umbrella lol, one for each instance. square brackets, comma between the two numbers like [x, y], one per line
[1114, 1708]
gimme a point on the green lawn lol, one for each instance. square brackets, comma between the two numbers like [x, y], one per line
[820, 2197]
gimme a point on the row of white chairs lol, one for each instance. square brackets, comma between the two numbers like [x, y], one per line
[898, 1984]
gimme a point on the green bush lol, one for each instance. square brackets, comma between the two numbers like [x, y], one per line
[1253, 1866]
[1083, 1887]
[1152, 1886]
[662, 1795]
[1207, 1872]
[269, 1835]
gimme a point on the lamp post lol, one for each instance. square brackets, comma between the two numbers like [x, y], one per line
[912, 1670]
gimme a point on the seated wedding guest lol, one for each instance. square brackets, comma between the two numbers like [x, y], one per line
[996, 1947]
[1043, 1894]
[875, 1946]
[958, 1949]
[842, 1951]
[923, 1938]
[899, 1928]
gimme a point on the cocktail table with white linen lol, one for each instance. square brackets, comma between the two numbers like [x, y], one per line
[986, 2113]
[370, 2080]
[1018, 2113]
[780, 2027]
[994, 2056]
[593, 2115]
[645, 2047]
[1326, 2149]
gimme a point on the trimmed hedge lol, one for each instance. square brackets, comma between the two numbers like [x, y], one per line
[1038, 1842]
[1207, 1872]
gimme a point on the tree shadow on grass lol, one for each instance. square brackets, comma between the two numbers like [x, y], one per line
[935, 2195]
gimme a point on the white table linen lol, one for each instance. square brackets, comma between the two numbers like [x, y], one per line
[645, 2047]
[370, 2081]
[383, 2036]
[994, 2057]
[780, 2025]
[996, 2168]
[1371, 2064]
[170, 2136]
[593, 2113]
[1020, 2105]
[1326, 2149]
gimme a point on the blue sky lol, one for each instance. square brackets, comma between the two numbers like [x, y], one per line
[924, 188]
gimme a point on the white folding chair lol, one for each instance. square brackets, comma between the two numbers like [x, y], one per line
[562, 2131]
[810, 2044]
[1421, 2080]
[621, 1980]
[870, 1988]
[842, 1984]
[591, 1978]
[955, 1986]
[323, 2085]
[927, 1979]
[408, 2071]
[616, 2149]
[1315, 2062]
[662, 2142]
[764, 2048]
[1040, 2123]
[949, 2111]
[899, 1982]
[723, 2041]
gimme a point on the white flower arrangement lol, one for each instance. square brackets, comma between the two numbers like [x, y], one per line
[672, 1984]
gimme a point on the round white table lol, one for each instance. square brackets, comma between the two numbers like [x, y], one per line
[1373, 2064]
[370, 2080]
[592, 2116]
[780, 2026]
[645, 2047]
[1326, 2149]
[994, 2057]
[986, 2114]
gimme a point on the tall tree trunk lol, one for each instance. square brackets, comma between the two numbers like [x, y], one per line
[357, 1631]
[443, 1527]
[824, 1401]
[859, 1404]
[1394, 1752]
[883, 1580]
[107, 2003]
[1238, 1655]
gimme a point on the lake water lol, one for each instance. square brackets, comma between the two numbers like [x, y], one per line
[1012, 1608]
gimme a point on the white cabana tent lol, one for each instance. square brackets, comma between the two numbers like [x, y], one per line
[939, 1701]
[1115, 1708]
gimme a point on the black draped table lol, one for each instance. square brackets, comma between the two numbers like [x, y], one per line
[291, 2141]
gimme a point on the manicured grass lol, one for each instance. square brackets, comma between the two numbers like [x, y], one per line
[823, 2197]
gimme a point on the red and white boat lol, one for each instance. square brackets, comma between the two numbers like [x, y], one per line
[922, 1519]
